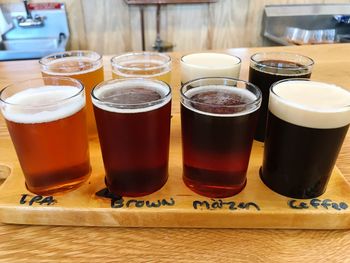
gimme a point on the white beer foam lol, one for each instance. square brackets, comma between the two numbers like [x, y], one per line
[201, 65]
[125, 108]
[43, 104]
[69, 59]
[311, 104]
[239, 91]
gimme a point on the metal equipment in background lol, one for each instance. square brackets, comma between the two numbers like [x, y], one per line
[37, 30]
[306, 24]
[159, 44]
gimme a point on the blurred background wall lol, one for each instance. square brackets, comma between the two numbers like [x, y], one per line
[112, 26]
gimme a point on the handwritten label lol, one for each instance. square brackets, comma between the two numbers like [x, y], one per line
[29, 200]
[119, 202]
[217, 204]
[317, 203]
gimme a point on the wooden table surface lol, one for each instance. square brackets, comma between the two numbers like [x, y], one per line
[21, 243]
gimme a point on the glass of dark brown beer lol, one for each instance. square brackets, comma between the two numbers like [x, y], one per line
[133, 123]
[218, 119]
[267, 68]
[47, 123]
[307, 123]
[147, 64]
[83, 65]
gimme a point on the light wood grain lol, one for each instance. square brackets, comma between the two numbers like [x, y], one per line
[82, 203]
[93, 244]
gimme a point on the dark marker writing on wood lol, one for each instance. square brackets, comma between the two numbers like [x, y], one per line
[217, 204]
[317, 204]
[119, 202]
[37, 199]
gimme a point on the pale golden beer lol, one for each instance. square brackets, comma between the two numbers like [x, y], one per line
[151, 65]
[85, 66]
[46, 120]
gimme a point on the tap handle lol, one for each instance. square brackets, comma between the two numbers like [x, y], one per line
[29, 15]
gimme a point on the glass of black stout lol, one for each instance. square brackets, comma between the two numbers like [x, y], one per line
[267, 68]
[306, 126]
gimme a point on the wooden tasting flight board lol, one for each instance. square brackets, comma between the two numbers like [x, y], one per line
[255, 207]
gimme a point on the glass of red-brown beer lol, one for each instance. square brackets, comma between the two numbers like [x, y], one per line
[133, 123]
[218, 119]
[46, 121]
[306, 125]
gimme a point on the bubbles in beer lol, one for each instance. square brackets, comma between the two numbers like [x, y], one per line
[217, 99]
[320, 106]
[43, 104]
[71, 66]
[147, 68]
[282, 67]
[137, 95]
[130, 95]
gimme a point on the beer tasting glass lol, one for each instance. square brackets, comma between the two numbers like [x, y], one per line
[85, 66]
[218, 119]
[203, 65]
[142, 65]
[133, 123]
[47, 124]
[267, 68]
[307, 123]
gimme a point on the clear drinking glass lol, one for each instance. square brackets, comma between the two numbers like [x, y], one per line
[47, 124]
[133, 122]
[83, 65]
[218, 119]
[142, 65]
[267, 68]
[307, 124]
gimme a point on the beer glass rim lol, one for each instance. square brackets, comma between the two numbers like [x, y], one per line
[131, 105]
[309, 64]
[215, 53]
[255, 104]
[77, 83]
[301, 106]
[72, 53]
[166, 63]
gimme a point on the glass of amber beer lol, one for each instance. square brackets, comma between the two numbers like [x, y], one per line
[218, 119]
[133, 123]
[142, 65]
[204, 65]
[47, 124]
[85, 66]
[307, 123]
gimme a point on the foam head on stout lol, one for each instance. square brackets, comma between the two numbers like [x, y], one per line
[218, 117]
[47, 127]
[133, 121]
[307, 123]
